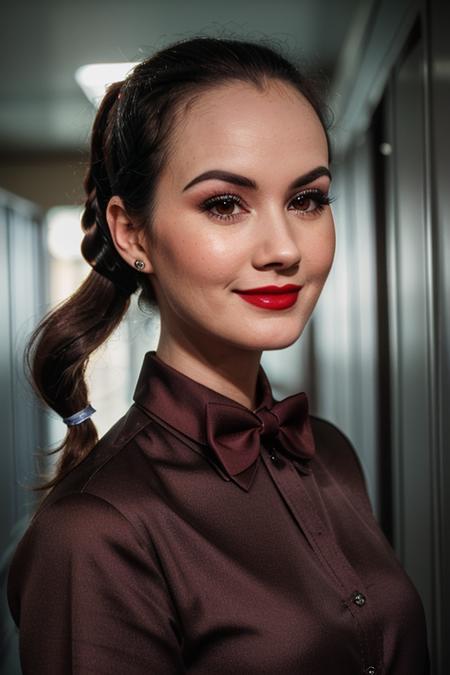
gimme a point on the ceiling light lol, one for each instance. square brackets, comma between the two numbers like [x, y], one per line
[93, 78]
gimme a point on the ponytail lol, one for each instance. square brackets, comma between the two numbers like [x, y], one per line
[57, 355]
[58, 351]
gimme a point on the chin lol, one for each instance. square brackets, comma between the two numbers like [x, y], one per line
[279, 344]
[279, 340]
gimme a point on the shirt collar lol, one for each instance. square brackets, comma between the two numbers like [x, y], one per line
[180, 402]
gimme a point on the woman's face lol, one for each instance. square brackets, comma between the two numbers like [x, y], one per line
[268, 225]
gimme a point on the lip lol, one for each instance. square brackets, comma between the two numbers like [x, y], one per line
[264, 290]
[271, 297]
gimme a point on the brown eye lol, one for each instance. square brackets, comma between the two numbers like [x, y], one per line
[303, 202]
[310, 202]
[225, 207]
[221, 207]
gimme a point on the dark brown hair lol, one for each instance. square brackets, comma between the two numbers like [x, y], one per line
[130, 143]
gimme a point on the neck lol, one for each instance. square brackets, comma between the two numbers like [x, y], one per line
[230, 372]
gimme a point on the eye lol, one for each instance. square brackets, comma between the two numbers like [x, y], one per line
[311, 202]
[222, 206]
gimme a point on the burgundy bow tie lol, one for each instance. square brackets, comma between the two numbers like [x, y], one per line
[235, 433]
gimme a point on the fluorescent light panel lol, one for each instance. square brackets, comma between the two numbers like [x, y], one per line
[93, 78]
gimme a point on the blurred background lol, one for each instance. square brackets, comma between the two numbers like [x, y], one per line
[375, 357]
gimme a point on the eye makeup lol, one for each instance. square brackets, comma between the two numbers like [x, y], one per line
[314, 199]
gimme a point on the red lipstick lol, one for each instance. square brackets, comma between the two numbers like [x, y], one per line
[271, 297]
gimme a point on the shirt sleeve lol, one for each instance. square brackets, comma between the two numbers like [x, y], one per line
[88, 597]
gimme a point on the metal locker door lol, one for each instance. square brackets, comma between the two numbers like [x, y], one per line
[409, 291]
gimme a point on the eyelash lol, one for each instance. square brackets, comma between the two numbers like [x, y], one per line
[317, 195]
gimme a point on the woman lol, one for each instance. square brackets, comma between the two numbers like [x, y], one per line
[212, 529]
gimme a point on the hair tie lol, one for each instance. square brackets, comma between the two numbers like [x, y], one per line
[80, 416]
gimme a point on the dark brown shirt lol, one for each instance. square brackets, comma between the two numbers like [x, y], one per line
[149, 558]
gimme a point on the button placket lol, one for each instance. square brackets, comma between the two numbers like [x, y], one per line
[320, 537]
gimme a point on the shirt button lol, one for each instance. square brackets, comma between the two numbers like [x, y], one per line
[371, 670]
[360, 600]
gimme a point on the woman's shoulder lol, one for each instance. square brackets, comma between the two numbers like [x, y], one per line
[108, 451]
[74, 519]
[336, 453]
[67, 533]
[92, 515]
[90, 496]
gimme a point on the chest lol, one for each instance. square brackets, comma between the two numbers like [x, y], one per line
[292, 576]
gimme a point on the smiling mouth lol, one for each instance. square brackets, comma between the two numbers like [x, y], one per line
[271, 297]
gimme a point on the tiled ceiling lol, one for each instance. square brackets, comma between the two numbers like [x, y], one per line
[45, 41]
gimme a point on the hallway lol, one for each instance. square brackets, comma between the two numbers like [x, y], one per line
[375, 356]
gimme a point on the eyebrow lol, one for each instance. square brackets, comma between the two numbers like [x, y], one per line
[243, 181]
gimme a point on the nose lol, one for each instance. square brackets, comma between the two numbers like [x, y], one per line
[277, 242]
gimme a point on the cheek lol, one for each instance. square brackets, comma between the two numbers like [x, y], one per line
[321, 250]
[194, 260]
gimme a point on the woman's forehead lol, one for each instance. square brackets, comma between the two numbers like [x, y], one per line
[240, 125]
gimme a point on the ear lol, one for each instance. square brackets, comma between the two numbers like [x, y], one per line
[128, 239]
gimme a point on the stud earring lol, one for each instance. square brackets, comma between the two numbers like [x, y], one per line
[139, 265]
